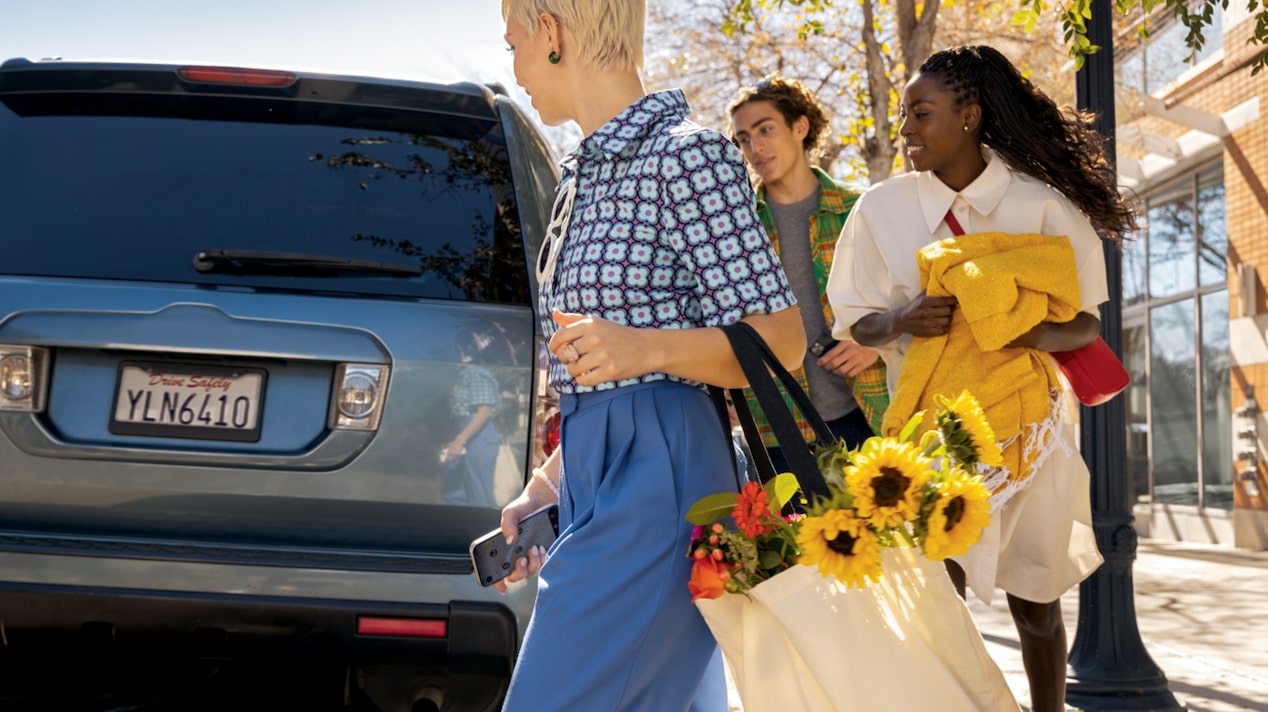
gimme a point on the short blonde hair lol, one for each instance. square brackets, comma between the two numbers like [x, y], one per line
[608, 33]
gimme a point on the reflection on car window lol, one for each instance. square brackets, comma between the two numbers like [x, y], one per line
[136, 196]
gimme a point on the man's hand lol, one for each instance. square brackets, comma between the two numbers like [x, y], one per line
[848, 358]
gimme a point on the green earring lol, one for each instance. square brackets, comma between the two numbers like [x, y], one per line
[553, 57]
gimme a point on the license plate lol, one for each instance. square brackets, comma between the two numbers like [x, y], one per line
[188, 401]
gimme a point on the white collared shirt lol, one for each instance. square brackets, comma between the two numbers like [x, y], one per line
[874, 269]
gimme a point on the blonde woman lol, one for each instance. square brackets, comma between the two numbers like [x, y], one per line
[656, 244]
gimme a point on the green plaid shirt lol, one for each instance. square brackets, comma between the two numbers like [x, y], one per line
[869, 387]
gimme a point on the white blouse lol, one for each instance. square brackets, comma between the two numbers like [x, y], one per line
[874, 269]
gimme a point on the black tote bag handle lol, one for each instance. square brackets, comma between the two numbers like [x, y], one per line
[759, 458]
[759, 362]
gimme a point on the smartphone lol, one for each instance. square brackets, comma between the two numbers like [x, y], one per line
[823, 343]
[494, 560]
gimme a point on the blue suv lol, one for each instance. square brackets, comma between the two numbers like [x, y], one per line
[244, 314]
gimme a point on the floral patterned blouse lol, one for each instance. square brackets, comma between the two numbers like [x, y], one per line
[663, 232]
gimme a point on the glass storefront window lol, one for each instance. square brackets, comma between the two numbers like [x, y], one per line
[1212, 228]
[1217, 426]
[1176, 346]
[1173, 412]
[1135, 350]
[1161, 60]
[1135, 289]
[1172, 250]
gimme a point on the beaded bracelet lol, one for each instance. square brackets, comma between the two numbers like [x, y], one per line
[540, 474]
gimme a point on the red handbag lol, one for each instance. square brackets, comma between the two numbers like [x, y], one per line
[1094, 372]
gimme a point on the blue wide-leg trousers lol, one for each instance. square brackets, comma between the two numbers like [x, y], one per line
[614, 628]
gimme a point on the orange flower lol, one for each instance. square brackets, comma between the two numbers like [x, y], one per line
[708, 578]
[752, 510]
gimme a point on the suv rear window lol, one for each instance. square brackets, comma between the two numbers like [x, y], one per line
[134, 186]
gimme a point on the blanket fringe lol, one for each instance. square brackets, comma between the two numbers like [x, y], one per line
[1039, 440]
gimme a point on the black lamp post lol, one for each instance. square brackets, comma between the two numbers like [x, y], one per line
[1109, 667]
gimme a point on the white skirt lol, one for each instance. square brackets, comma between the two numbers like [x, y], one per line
[1041, 542]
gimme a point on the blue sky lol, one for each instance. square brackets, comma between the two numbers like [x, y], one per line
[425, 39]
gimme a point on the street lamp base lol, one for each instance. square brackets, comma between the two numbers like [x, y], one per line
[1119, 694]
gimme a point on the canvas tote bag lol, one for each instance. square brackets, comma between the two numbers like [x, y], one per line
[803, 642]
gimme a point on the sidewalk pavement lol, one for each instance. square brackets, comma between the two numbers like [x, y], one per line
[1202, 613]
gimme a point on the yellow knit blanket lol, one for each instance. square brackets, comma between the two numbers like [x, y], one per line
[1004, 284]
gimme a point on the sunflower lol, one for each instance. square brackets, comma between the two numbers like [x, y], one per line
[968, 436]
[959, 515]
[752, 511]
[886, 481]
[842, 545]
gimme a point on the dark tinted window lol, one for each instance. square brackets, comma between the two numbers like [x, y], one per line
[133, 186]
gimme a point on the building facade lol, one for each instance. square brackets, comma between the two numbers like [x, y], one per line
[1193, 148]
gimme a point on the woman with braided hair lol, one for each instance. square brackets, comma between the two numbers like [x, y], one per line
[995, 157]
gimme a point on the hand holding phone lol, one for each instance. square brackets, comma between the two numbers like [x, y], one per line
[494, 559]
[822, 343]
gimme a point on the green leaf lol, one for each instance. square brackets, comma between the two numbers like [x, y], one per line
[931, 444]
[909, 430]
[712, 508]
[768, 558]
[780, 489]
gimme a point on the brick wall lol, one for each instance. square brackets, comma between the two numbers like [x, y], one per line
[1246, 192]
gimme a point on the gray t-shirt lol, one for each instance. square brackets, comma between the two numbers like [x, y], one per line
[829, 392]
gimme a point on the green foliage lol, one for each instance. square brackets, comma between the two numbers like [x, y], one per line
[713, 508]
[780, 489]
[909, 430]
[1198, 17]
[718, 506]
[743, 15]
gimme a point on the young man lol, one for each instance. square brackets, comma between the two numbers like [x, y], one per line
[778, 125]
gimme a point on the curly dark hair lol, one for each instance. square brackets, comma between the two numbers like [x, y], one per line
[1035, 136]
[792, 100]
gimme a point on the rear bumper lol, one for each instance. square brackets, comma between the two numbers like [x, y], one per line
[479, 637]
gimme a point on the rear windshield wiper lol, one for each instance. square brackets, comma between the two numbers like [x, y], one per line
[297, 263]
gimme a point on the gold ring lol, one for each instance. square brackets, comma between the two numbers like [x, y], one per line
[570, 353]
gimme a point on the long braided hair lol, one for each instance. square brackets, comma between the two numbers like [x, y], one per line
[1035, 136]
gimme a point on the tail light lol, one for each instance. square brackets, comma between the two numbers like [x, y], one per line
[402, 627]
[23, 378]
[357, 403]
[236, 75]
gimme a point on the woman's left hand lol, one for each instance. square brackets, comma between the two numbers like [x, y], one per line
[1064, 336]
[596, 350]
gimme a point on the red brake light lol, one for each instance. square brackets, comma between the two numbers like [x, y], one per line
[402, 627]
[234, 75]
